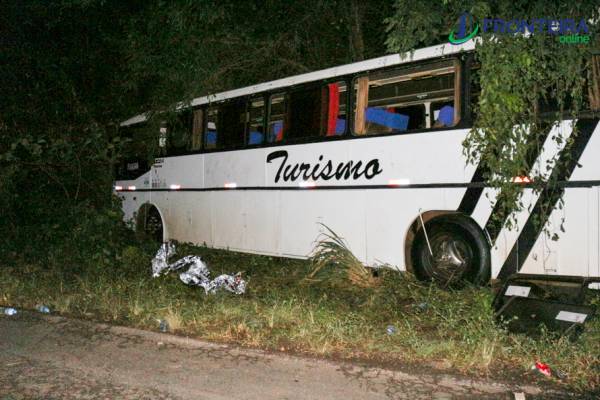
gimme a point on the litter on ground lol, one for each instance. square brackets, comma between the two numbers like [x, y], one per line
[8, 311]
[197, 273]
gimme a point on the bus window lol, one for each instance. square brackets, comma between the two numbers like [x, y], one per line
[232, 119]
[197, 130]
[137, 147]
[210, 134]
[305, 112]
[256, 117]
[403, 100]
[335, 109]
[277, 123]
[179, 133]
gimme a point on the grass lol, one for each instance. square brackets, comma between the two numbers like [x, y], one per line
[282, 311]
[333, 261]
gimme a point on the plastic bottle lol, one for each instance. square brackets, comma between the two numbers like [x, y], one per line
[163, 325]
[43, 309]
[9, 311]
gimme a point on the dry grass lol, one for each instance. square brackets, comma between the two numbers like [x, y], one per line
[173, 318]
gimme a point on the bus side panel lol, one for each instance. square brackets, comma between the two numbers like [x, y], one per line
[389, 214]
[570, 254]
[186, 171]
[262, 216]
[576, 250]
[191, 219]
[243, 168]
[131, 203]
[302, 212]
[428, 157]
[228, 219]
[172, 209]
[508, 237]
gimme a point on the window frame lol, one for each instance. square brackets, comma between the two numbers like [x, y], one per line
[198, 128]
[233, 102]
[249, 99]
[321, 84]
[270, 96]
[458, 96]
[207, 107]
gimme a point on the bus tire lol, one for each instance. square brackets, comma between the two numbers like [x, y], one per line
[460, 252]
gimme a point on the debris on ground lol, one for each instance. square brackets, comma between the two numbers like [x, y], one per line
[560, 374]
[43, 309]
[197, 273]
[163, 325]
[545, 370]
[542, 368]
[160, 261]
[8, 311]
[391, 330]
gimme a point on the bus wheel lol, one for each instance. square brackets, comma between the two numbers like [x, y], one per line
[149, 223]
[457, 252]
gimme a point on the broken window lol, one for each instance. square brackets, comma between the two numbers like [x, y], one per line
[211, 132]
[304, 113]
[232, 118]
[396, 101]
[256, 116]
[179, 129]
[277, 113]
[311, 111]
[334, 109]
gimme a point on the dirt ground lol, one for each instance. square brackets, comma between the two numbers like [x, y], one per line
[52, 357]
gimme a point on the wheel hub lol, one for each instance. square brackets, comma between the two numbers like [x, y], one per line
[451, 256]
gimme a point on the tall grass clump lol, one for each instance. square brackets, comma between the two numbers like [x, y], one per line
[333, 261]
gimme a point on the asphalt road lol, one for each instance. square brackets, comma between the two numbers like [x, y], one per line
[51, 357]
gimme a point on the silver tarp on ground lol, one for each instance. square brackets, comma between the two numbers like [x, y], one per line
[197, 273]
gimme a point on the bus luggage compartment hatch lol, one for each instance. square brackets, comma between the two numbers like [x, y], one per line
[562, 303]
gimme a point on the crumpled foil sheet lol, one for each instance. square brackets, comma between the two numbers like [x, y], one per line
[197, 273]
[160, 261]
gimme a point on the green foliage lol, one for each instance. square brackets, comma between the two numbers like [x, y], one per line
[517, 74]
[58, 137]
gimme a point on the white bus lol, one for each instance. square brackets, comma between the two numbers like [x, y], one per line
[372, 150]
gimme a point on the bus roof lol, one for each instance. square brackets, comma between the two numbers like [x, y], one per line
[374, 63]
